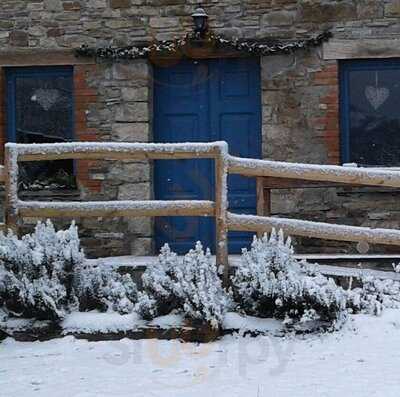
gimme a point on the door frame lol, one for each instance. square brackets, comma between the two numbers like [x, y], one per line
[169, 61]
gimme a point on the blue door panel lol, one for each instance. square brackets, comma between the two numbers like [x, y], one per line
[205, 101]
[181, 116]
[237, 95]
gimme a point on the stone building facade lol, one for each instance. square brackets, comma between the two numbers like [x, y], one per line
[114, 101]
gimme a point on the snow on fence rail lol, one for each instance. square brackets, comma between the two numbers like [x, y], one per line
[15, 209]
[116, 150]
[326, 231]
[314, 172]
[42, 209]
[224, 165]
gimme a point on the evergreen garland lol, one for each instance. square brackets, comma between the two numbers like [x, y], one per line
[254, 47]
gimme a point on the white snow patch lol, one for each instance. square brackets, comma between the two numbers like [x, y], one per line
[237, 321]
[16, 324]
[168, 321]
[359, 361]
[95, 322]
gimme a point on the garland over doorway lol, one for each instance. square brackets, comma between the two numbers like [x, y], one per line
[195, 40]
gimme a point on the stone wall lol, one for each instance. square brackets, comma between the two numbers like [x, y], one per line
[113, 101]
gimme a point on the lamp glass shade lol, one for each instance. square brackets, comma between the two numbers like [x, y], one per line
[200, 20]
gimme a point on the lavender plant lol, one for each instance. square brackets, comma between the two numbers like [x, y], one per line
[192, 287]
[270, 282]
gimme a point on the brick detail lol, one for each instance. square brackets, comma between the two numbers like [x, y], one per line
[328, 122]
[84, 96]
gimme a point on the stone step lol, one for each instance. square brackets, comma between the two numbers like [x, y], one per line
[334, 265]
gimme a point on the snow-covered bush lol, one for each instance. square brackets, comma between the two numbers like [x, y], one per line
[104, 289]
[270, 282]
[374, 295]
[36, 271]
[43, 275]
[192, 287]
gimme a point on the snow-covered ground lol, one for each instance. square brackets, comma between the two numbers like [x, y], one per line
[361, 360]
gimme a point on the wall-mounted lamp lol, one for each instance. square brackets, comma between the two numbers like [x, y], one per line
[200, 19]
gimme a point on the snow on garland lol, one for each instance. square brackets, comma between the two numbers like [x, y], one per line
[254, 47]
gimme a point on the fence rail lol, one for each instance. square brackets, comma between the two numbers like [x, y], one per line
[225, 164]
[42, 209]
[326, 231]
[314, 172]
[116, 151]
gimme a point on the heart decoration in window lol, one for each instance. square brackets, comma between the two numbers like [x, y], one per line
[376, 96]
[46, 98]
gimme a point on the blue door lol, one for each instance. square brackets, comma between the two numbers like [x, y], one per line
[203, 101]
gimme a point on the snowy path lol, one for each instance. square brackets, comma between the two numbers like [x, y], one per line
[362, 360]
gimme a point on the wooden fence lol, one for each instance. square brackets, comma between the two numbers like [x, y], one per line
[16, 209]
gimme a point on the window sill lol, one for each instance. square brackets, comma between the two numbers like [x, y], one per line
[49, 192]
[44, 194]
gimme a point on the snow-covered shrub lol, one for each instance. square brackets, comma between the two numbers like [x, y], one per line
[192, 287]
[36, 271]
[270, 282]
[374, 295]
[159, 281]
[43, 275]
[104, 289]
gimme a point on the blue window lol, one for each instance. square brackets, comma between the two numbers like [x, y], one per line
[40, 110]
[370, 113]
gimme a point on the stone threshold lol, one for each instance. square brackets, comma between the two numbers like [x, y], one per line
[341, 265]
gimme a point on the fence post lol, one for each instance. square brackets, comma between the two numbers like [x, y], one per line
[260, 200]
[11, 188]
[221, 208]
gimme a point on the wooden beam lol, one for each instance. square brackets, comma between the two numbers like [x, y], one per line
[314, 172]
[260, 197]
[221, 207]
[361, 48]
[271, 182]
[115, 151]
[326, 231]
[41, 57]
[11, 189]
[49, 209]
[261, 210]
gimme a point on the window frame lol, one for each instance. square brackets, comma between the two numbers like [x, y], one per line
[346, 66]
[12, 73]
